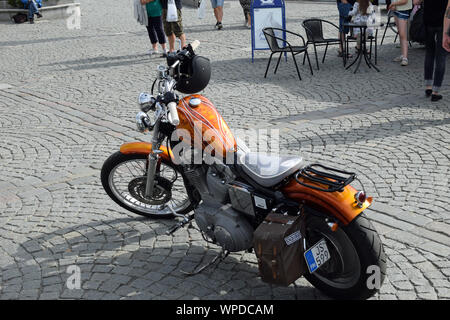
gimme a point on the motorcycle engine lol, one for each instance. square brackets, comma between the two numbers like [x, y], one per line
[224, 226]
[215, 216]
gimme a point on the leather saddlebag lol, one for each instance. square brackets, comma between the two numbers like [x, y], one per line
[278, 245]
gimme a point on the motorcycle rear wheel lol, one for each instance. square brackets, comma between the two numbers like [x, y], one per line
[356, 255]
[170, 188]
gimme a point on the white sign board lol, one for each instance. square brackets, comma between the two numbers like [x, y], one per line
[263, 18]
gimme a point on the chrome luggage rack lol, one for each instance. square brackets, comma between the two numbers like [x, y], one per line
[325, 176]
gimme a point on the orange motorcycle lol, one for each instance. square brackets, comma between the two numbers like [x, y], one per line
[195, 169]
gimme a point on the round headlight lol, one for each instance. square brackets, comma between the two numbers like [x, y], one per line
[146, 101]
[143, 122]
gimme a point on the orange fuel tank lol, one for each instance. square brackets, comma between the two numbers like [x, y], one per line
[202, 122]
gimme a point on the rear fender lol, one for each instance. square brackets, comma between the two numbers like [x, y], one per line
[341, 205]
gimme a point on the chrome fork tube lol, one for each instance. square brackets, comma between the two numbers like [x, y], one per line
[153, 158]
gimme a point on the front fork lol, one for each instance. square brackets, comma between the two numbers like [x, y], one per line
[153, 159]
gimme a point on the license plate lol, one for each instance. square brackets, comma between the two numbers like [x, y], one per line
[317, 255]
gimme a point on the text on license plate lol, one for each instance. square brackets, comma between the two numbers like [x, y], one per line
[317, 255]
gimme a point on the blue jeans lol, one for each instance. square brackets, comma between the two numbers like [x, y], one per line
[32, 9]
[217, 3]
[434, 58]
[344, 9]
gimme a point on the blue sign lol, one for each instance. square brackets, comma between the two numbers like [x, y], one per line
[266, 13]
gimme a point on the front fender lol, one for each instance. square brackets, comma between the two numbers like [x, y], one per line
[143, 148]
[342, 205]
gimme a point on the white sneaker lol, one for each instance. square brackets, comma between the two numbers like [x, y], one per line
[398, 59]
[404, 62]
[152, 52]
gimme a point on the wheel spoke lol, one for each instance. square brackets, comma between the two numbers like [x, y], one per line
[127, 181]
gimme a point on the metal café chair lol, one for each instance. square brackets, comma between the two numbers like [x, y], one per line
[314, 33]
[274, 44]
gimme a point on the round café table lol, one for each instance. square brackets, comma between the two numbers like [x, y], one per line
[362, 52]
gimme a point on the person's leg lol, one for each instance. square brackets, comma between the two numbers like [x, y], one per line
[243, 5]
[36, 7]
[344, 9]
[32, 9]
[218, 13]
[214, 5]
[152, 35]
[402, 27]
[157, 24]
[440, 59]
[248, 6]
[430, 44]
[30, 13]
[168, 26]
[171, 38]
[182, 38]
[341, 29]
[178, 29]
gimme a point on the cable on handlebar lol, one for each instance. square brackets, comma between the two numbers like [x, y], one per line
[153, 86]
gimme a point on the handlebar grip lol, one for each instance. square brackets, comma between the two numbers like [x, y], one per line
[195, 44]
[173, 114]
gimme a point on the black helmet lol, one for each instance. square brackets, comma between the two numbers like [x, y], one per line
[194, 75]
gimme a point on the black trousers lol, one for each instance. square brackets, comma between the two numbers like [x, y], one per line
[155, 30]
[434, 58]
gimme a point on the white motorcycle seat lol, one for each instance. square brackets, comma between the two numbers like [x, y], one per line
[268, 170]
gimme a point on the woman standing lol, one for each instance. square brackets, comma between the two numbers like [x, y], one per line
[155, 26]
[433, 19]
[402, 9]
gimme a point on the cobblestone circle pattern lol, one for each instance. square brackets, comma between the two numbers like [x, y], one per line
[68, 100]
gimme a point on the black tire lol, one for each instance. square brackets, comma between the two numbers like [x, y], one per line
[117, 158]
[369, 249]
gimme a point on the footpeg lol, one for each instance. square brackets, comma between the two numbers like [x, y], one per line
[181, 224]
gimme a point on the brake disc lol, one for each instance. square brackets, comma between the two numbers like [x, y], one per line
[162, 191]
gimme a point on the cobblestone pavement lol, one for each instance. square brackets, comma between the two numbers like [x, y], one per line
[68, 99]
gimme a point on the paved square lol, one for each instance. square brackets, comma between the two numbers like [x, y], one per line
[68, 100]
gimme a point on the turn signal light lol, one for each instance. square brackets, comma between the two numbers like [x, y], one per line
[360, 198]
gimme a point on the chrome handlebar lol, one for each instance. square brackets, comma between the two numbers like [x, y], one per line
[167, 84]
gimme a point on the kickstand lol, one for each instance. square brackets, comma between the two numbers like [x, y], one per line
[221, 256]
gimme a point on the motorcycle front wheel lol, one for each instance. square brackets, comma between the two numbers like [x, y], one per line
[124, 179]
[356, 259]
